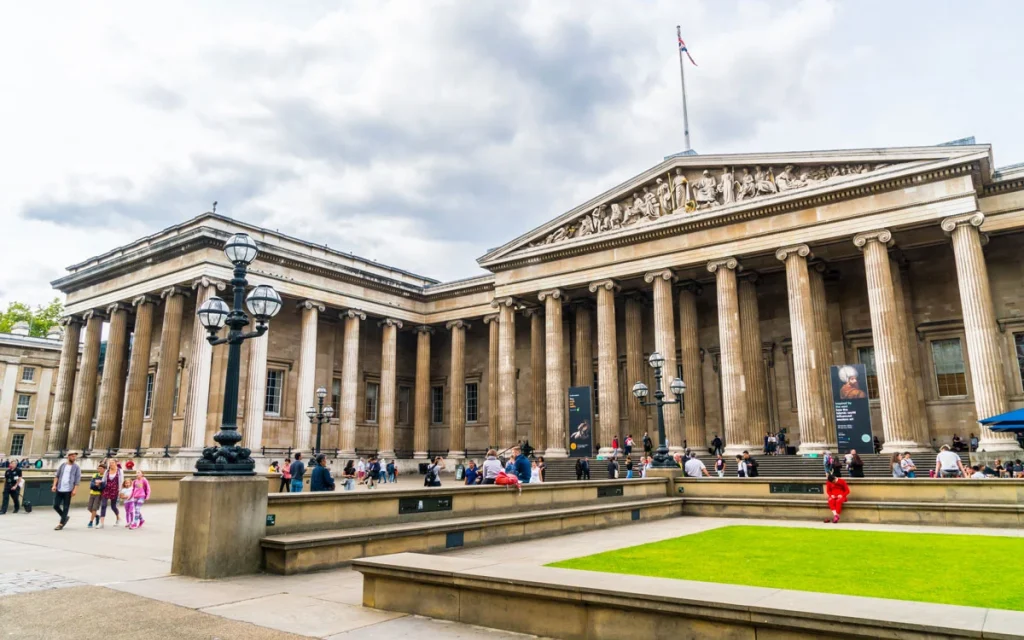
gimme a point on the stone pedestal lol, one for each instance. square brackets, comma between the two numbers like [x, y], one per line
[220, 522]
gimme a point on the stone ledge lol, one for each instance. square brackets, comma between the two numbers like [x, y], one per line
[565, 603]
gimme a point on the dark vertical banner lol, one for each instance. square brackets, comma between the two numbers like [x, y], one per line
[581, 424]
[850, 403]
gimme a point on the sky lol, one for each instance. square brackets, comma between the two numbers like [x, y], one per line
[421, 134]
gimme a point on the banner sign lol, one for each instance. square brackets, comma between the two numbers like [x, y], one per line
[850, 403]
[581, 425]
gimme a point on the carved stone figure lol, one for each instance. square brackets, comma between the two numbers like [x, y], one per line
[586, 227]
[664, 197]
[650, 204]
[639, 207]
[786, 180]
[763, 180]
[680, 188]
[746, 187]
[616, 218]
[705, 192]
[727, 187]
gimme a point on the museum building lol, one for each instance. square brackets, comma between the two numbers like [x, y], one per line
[752, 274]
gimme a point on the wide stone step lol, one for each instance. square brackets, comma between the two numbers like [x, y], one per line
[299, 552]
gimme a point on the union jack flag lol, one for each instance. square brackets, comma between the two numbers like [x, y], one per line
[682, 47]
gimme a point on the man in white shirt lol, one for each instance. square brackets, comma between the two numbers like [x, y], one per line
[694, 468]
[948, 464]
[65, 486]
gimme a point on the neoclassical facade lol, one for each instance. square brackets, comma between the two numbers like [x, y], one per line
[752, 274]
[28, 377]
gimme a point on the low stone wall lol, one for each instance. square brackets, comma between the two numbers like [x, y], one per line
[306, 512]
[563, 603]
[163, 486]
[993, 491]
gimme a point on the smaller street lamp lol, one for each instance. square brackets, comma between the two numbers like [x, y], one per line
[640, 391]
[319, 415]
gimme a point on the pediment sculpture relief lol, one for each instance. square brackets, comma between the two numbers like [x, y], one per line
[682, 192]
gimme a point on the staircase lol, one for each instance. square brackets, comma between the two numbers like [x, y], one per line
[875, 466]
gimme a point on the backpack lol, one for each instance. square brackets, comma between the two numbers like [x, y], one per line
[430, 477]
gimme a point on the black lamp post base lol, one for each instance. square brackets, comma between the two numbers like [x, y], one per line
[226, 461]
[662, 459]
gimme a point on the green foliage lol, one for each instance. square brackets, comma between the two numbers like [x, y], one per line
[879, 564]
[40, 320]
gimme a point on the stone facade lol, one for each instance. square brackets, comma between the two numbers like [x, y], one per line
[755, 273]
[30, 387]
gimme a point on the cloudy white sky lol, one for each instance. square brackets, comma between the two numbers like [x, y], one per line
[420, 134]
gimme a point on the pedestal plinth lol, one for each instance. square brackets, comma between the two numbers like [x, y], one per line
[220, 522]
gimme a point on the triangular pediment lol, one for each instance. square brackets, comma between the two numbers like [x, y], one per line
[685, 187]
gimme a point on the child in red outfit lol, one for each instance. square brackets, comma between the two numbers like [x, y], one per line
[838, 492]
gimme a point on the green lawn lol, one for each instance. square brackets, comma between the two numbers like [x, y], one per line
[969, 570]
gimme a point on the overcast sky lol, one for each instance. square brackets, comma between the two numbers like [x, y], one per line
[420, 134]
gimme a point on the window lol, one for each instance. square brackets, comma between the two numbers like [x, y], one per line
[679, 374]
[948, 358]
[370, 411]
[28, 374]
[17, 444]
[437, 404]
[275, 391]
[1018, 343]
[177, 393]
[336, 396]
[866, 355]
[149, 396]
[24, 403]
[597, 405]
[404, 393]
[472, 404]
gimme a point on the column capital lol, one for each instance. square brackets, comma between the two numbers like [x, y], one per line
[93, 313]
[638, 295]
[664, 274]
[424, 328]
[975, 219]
[692, 286]
[457, 324]
[507, 301]
[390, 322]
[880, 235]
[608, 284]
[819, 265]
[352, 313]
[117, 306]
[69, 320]
[557, 294]
[206, 281]
[491, 318]
[730, 263]
[801, 250]
[749, 276]
[312, 304]
[529, 312]
[174, 290]
[143, 299]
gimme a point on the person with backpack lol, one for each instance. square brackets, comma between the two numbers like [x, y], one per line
[96, 485]
[433, 477]
[648, 445]
[392, 472]
[372, 473]
[12, 475]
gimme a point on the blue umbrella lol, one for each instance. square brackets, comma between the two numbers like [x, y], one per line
[1011, 421]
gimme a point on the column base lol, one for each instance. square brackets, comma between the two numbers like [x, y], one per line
[815, 448]
[674, 450]
[555, 454]
[1001, 446]
[454, 455]
[736, 449]
[422, 455]
[386, 454]
[900, 446]
[348, 455]
[605, 452]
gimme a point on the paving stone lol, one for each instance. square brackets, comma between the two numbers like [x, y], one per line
[27, 581]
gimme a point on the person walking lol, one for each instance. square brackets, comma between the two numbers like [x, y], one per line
[360, 470]
[629, 467]
[491, 467]
[720, 466]
[716, 445]
[125, 493]
[627, 444]
[348, 476]
[111, 491]
[296, 471]
[140, 493]
[613, 468]
[96, 485]
[320, 479]
[615, 444]
[586, 468]
[856, 465]
[752, 465]
[392, 472]
[372, 472]
[286, 476]
[838, 492]
[12, 477]
[648, 445]
[741, 467]
[433, 477]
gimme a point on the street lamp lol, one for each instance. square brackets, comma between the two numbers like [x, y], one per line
[319, 416]
[263, 302]
[640, 391]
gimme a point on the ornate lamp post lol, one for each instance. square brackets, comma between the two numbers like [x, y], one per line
[319, 416]
[640, 390]
[263, 302]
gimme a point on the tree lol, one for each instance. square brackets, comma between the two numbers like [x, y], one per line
[40, 321]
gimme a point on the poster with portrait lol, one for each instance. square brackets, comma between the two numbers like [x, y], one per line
[581, 423]
[850, 404]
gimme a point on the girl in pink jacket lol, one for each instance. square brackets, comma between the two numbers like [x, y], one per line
[140, 493]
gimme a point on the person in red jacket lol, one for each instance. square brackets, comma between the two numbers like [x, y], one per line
[838, 492]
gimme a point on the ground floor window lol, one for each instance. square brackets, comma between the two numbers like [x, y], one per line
[24, 404]
[336, 396]
[275, 391]
[149, 396]
[17, 444]
[950, 376]
[437, 404]
[404, 396]
[1018, 345]
[472, 401]
[866, 355]
[370, 410]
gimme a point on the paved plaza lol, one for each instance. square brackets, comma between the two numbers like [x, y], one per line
[115, 583]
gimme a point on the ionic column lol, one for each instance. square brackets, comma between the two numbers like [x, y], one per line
[388, 387]
[200, 362]
[607, 362]
[506, 371]
[538, 425]
[733, 379]
[554, 360]
[917, 408]
[421, 414]
[108, 415]
[810, 413]
[886, 333]
[457, 391]
[349, 381]
[989, 384]
[305, 381]
[753, 363]
[493, 410]
[255, 393]
[84, 403]
[689, 347]
[823, 350]
[583, 325]
[138, 372]
[167, 368]
[64, 393]
[665, 344]
[635, 371]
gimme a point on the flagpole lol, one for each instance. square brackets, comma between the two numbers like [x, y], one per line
[682, 80]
